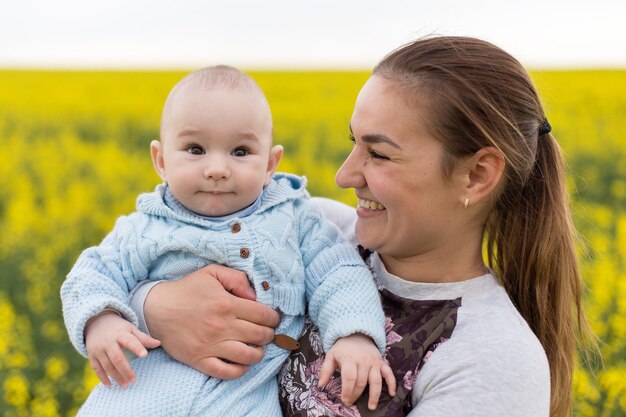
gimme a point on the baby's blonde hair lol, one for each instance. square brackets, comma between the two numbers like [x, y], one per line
[217, 76]
[214, 78]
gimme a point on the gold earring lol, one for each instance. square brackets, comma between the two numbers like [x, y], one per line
[466, 202]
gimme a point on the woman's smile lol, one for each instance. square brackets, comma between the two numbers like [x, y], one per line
[370, 205]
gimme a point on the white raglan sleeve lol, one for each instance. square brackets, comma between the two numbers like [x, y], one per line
[489, 371]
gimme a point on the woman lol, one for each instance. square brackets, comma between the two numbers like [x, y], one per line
[451, 146]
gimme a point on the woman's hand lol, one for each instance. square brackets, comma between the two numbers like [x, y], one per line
[210, 321]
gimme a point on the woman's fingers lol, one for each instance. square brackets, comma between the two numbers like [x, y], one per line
[219, 369]
[252, 333]
[255, 312]
[229, 360]
[209, 320]
[233, 281]
[240, 353]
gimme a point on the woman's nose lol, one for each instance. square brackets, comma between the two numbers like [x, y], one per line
[350, 175]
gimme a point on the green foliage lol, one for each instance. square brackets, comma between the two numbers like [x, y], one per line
[74, 156]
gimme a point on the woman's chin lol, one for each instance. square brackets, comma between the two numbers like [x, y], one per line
[366, 236]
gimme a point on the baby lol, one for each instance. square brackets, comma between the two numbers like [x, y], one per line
[221, 202]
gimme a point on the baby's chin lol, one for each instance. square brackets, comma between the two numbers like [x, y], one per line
[210, 211]
[213, 213]
[217, 204]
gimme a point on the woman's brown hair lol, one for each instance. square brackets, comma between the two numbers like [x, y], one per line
[476, 95]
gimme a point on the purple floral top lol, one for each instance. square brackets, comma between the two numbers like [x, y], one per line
[415, 328]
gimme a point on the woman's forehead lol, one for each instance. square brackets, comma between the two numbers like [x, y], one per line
[382, 107]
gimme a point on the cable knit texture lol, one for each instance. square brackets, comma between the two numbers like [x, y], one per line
[286, 242]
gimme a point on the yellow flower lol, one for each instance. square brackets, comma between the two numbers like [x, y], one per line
[56, 367]
[16, 392]
[46, 407]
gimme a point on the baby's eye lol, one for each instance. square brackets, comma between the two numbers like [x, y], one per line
[239, 152]
[195, 150]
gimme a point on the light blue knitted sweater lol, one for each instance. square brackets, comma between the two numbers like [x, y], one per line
[285, 242]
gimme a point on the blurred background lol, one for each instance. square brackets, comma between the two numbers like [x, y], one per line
[81, 90]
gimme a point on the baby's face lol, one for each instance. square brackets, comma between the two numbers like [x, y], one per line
[216, 151]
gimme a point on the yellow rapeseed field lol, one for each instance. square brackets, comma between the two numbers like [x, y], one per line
[74, 156]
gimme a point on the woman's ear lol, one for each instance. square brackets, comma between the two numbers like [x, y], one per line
[276, 153]
[484, 172]
[156, 151]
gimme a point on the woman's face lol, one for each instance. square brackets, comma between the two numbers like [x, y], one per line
[406, 206]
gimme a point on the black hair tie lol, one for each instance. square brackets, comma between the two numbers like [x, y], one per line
[544, 127]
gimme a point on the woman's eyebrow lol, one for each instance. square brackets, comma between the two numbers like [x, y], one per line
[377, 138]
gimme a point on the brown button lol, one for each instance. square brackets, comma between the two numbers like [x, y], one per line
[286, 342]
[244, 252]
[265, 285]
[235, 228]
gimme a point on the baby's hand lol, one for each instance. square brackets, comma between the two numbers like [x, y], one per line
[106, 337]
[359, 361]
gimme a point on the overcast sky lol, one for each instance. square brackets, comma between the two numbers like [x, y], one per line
[256, 34]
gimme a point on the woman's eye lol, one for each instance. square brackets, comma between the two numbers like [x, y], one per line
[239, 152]
[351, 138]
[194, 150]
[377, 155]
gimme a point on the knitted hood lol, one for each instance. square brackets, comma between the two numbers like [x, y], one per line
[283, 187]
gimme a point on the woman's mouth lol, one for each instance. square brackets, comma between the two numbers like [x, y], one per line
[370, 205]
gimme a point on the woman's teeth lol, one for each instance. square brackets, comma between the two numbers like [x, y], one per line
[370, 205]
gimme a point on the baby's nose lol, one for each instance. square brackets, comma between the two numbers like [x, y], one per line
[216, 168]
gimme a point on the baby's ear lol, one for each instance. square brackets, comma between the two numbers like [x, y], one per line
[156, 151]
[275, 154]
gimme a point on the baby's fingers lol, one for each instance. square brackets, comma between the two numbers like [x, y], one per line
[349, 383]
[376, 386]
[134, 344]
[100, 372]
[390, 379]
[120, 368]
[146, 340]
[112, 371]
[327, 370]
[360, 383]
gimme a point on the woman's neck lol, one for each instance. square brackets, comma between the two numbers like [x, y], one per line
[439, 266]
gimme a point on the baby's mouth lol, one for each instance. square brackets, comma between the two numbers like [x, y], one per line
[370, 205]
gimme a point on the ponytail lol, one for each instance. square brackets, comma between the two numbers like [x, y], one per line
[531, 246]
